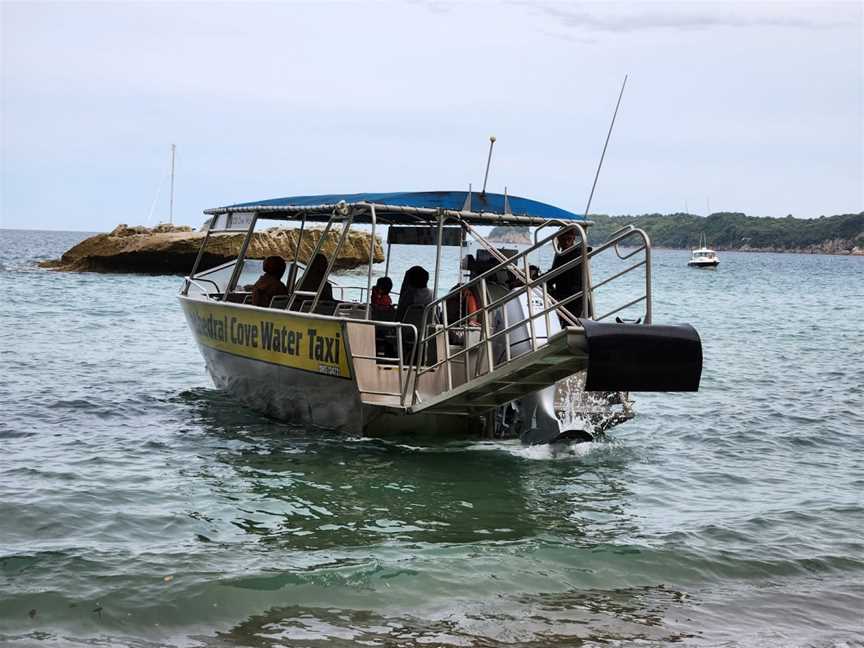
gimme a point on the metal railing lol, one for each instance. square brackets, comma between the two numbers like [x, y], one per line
[532, 290]
[614, 243]
[398, 361]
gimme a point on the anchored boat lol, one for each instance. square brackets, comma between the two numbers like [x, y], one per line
[489, 355]
[703, 256]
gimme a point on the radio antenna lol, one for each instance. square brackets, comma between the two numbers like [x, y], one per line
[488, 163]
[171, 204]
[603, 155]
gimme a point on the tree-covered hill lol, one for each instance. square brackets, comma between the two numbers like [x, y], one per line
[841, 234]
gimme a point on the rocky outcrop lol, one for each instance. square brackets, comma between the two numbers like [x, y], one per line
[168, 249]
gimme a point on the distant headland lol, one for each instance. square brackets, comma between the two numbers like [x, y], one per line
[841, 234]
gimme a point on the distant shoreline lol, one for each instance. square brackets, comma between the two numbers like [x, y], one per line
[854, 253]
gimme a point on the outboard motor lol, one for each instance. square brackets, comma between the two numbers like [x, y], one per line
[532, 418]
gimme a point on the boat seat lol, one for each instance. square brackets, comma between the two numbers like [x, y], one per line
[383, 313]
[238, 297]
[280, 301]
[351, 310]
[324, 307]
[414, 315]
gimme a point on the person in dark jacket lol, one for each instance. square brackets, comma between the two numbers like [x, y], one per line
[269, 284]
[569, 282]
[414, 291]
[315, 275]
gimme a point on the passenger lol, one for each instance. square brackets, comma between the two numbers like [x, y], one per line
[415, 291]
[534, 272]
[461, 305]
[569, 282]
[314, 276]
[269, 284]
[381, 293]
[472, 307]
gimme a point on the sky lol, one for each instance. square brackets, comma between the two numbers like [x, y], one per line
[749, 107]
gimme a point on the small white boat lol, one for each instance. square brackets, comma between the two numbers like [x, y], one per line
[703, 256]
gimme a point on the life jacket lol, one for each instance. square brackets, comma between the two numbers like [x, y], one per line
[471, 306]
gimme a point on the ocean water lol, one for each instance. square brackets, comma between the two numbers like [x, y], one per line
[141, 507]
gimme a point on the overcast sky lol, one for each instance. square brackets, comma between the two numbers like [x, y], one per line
[755, 107]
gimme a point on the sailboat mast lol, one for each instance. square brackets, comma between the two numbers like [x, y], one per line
[171, 204]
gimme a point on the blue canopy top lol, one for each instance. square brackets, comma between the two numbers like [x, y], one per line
[406, 203]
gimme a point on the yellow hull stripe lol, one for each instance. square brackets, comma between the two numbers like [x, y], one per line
[311, 344]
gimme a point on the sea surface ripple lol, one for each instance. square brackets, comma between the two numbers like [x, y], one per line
[141, 507]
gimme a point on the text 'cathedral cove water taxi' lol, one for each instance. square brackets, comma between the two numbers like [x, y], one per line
[489, 338]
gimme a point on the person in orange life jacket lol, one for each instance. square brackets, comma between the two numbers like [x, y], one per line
[381, 292]
[472, 307]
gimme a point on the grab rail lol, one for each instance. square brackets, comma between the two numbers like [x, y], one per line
[527, 287]
[188, 281]
[399, 358]
[531, 289]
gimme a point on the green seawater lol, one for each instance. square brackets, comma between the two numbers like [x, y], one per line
[139, 506]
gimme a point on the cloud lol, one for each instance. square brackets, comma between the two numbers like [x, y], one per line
[631, 17]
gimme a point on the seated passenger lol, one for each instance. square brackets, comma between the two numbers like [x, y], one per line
[314, 276]
[462, 305]
[381, 293]
[414, 292]
[269, 284]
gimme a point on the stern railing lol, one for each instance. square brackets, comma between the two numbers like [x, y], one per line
[478, 339]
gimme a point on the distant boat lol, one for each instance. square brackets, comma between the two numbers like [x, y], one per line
[703, 256]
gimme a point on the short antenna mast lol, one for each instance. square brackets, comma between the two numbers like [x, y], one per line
[603, 155]
[171, 207]
[488, 163]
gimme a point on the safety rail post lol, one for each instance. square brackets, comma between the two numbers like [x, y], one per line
[546, 309]
[299, 281]
[371, 261]
[486, 327]
[292, 274]
[408, 386]
[346, 225]
[399, 352]
[648, 296]
[200, 254]
[529, 294]
[507, 351]
[241, 257]
[446, 332]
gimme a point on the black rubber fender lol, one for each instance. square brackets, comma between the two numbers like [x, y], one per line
[642, 357]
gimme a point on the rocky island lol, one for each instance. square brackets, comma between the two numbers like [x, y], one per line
[171, 249]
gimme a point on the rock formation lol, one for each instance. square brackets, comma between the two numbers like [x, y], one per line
[167, 249]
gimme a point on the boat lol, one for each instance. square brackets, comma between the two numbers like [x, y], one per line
[492, 366]
[703, 256]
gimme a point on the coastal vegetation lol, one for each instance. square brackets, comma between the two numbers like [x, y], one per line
[840, 234]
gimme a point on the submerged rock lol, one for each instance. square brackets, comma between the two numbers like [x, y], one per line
[171, 249]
